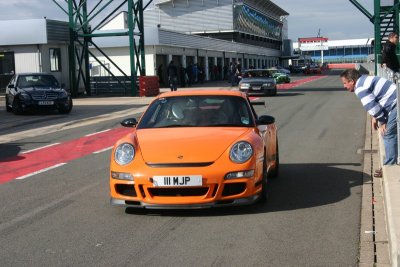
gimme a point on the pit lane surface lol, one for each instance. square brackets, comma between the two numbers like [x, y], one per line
[62, 217]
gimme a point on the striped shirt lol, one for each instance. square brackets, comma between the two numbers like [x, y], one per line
[378, 96]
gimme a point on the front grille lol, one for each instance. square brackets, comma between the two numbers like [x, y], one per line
[126, 190]
[43, 96]
[233, 189]
[178, 192]
[179, 165]
[256, 84]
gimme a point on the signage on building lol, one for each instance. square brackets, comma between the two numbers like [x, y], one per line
[313, 47]
[313, 43]
[252, 21]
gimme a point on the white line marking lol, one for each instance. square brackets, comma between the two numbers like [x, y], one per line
[33, 212]
[102, 150]
[98, 132]
[40, 171]
[35, 149]
[70, 125]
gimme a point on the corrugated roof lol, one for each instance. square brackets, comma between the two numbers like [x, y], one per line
[269, 6]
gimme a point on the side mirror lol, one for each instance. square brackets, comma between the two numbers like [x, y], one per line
[11, 86]
[129, 122]
[265, 120]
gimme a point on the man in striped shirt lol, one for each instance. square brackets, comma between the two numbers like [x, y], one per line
[379, 98]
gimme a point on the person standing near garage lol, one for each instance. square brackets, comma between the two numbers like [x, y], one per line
[389, 56]
[172, 76]
[379, 98]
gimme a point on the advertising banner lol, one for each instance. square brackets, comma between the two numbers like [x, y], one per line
[249, 20]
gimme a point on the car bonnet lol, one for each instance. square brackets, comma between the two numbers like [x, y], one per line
[258, 80]
[30, 90]
[187, 145]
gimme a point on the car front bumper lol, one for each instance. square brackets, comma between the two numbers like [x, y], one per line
[215, 190]
[37, 105]
[140, 204]
[261, 91]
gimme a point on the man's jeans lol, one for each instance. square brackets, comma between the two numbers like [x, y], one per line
[173, 81]
[390, 139]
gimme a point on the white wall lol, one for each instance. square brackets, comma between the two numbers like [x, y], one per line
[119, 22]
[120, 56]
[27, 58]
[36, 58]
[151, 68]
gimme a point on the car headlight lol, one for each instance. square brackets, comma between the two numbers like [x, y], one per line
[124, 154]
[63, 94]
[241, 152]
[269, 84]
[24, 96]
[244, 86]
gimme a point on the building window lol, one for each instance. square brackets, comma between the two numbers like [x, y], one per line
[7, 63]
[55, 59]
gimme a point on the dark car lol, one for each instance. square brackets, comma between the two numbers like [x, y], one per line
[312, 69]
[36, 91]
[258, 81]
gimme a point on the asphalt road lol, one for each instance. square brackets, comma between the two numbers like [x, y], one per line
[62, 217]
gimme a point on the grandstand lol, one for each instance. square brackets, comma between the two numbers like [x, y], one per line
[339, 51]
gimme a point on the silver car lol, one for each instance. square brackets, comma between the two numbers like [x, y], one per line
[258, 81]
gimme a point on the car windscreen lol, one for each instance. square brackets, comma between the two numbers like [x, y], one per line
[197, 111]
[257, 73]
[45, 81]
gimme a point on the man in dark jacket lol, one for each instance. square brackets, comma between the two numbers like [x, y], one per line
[389, 57]
[172, 76]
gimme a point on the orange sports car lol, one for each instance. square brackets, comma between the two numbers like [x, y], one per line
[195, 149]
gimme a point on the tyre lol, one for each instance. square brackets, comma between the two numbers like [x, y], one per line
[16, 107]
[66, 110]
[264, 185]
[275, 172]
[8, 108]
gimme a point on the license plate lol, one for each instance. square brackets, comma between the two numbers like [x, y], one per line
[256, 87]
[46, 103]
[178, 180]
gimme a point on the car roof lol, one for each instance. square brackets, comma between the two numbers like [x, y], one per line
[202, 93]
[256, 70]
[34, 73]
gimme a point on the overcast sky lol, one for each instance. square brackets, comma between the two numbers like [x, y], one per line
[336, 19]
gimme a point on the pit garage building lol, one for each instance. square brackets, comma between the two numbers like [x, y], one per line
[211, 33]
[33, 45]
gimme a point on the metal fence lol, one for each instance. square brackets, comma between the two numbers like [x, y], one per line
[394, 77]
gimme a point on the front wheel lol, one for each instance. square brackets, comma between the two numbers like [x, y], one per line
[66, 110]
[275, 172]
[8, 108]
[264, 185]
[17, 107]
